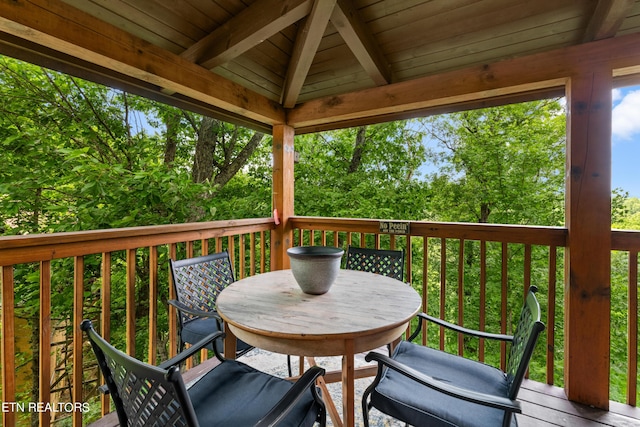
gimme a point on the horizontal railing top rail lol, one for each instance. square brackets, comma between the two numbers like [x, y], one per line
[533, 235]
[625, 240]
[44, 247]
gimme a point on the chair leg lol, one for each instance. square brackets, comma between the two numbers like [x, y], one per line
[365, 406]
[289, 365]
[365, 413]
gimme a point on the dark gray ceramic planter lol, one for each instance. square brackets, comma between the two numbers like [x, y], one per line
[315, 267]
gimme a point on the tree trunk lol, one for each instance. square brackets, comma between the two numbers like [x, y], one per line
[171, 144]
[205, 148]
[232, 166]
[220, 170]
[485, 210]
[358, 150]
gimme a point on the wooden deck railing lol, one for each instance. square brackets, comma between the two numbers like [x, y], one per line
[96, 263]
[626, 243]
[122, 276]
[457, 265]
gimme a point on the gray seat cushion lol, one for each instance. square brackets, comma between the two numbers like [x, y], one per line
[242, 396]
[197, 329]
[419, 405]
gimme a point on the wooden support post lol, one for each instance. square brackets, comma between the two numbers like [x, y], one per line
[588, 257]
[283, 160]
[8, 345]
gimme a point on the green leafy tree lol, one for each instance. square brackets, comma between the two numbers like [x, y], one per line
[80, 156]
[496, 165]
[501, 165]
[364, 172]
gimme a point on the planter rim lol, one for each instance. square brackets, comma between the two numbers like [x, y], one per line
[314, 251]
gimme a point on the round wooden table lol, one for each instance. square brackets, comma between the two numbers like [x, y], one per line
[361, 312]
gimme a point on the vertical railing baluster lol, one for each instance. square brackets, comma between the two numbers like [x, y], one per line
[231, 247]
[252, 254]
[461, 295]
[503, 305]
[105, 317]
[425, 285]
[173, 320]
[8, 345]
[77, 369]
[44, 368]
[551, 315]
[632, 330]
[241, 254]
[526, 279]
[204, 247]
[131, 302]
[527, 270]
[408, 262]
[263, 252]
[153, 304]
[443, 286]
[407, 265]
[483, 297]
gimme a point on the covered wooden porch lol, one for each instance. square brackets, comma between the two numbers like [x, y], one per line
[300, 66]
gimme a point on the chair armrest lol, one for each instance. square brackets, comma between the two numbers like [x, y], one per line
[184, 355]
[307, 380]
[493, 401]
[457, 328]
[193, 311]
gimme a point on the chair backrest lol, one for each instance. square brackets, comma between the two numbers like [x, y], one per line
[524, 342]
[198, 281]
[384, 262]
[144, 395]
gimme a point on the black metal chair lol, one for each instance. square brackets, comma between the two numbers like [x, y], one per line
[385, 262]
[231, 394]
[197, 283]
[388, 263]
[424, 386]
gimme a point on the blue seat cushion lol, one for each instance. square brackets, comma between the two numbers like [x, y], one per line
[197, 329]
[235, 394]
[418, 405]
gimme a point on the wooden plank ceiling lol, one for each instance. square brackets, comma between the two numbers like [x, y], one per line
[271, 57]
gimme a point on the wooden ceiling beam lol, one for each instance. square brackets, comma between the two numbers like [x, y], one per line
[48, 58]
[607, 18]
[360, 40]
[305, 48]
[252, 26]
[533, 73]
[55, 25]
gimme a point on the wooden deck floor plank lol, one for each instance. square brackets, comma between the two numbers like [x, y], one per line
[549, 404]
[526, 421]
[555, 417]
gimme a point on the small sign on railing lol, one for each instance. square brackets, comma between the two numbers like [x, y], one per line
[395, 227]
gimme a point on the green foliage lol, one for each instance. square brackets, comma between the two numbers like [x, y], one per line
[375, 176]
[626, 212]
[501, 165]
